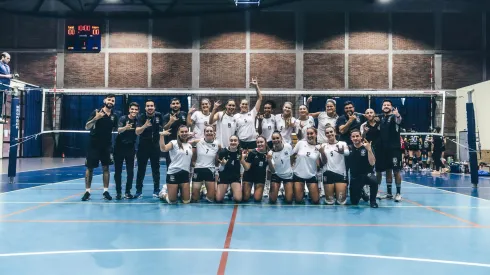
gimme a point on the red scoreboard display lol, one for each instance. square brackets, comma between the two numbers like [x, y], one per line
[83, 38]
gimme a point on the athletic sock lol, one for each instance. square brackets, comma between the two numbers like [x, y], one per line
[106, 189]
[398, 188]
[388, 188]
[87, 190]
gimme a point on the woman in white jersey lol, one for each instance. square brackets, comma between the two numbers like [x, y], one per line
[225, 122]
[255, 165]
[285, 122]
[178, 172]
[205, 153]
[334, 171]
[245, 120]
[266, 123]
[326, 118]
[279, 159]
[303, 122]
[229, 170]
[306, 164]
[198, 120]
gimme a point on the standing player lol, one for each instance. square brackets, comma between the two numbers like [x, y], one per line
[389, 156]
[307, 161]
[172, 122]
[199, 120]
[334, 171]
[281, 168]
[205, 153]
[414, 146]
[124, 150]
[226, 123]
[101, 124]
[255, 165]
[427, 152]
[245, 120]
[266, 123]
[148, 127]
[360, 162]
[180, 153]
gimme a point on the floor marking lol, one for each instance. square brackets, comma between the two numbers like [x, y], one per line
[41, 169]
[241, 223]
[447, 191]
[443, 213]
[324, 253]
[229, 234]
[444, 187]
[38, 186]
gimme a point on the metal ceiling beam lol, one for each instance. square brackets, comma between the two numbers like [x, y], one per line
[69, 5]
[38, 6]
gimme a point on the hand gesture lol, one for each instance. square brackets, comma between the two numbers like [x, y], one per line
[366, 144]
[244, 154]
[395, 112]
[192, 109]
[128, 126]
[269, 156]
[147, 123]
[260, 116]
[309, 100]
[322, 149]
[223, 161]
[99, 115]
[254, 83]
[352, 117]
[165, 133]
[217, 104]
[340, 149]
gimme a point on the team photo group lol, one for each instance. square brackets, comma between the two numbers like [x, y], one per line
[237, 150]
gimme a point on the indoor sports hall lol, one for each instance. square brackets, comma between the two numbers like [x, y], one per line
[244, 137]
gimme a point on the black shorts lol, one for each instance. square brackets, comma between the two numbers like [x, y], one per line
[330, 177]
[96, 155]
[178, 178]
[253, 177]
[277, 179]
[228, 180]
[248, 145]
[203, 174]
[388, 158]
[414, 147]
[310, 180]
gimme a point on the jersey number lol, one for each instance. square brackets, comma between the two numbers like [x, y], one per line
[245, 120]
[207, 150]
[229, 125]
[331, 153]
[308, 154]
[186, 152]
[269, 127]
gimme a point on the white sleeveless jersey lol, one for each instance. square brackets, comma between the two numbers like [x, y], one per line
[181, 158]
[201, 121]
[323, 121]
[246, 125]
[303, 125]
[268, 127]
[335, 161]
[307, 155]
[225, 127]
[285, 132]
[282, 162]
[206, 154]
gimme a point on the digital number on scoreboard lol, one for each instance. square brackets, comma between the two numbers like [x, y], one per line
[83, 38]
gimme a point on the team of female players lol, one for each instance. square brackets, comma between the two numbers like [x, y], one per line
[244, 150]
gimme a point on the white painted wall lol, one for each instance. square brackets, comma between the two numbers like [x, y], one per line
[481, 101]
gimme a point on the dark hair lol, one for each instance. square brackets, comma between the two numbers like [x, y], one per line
[387, 100]
[149, 100]
[134, 104]
[265, 141]
[110, 95]
[174, 99]
[272, 103]
[314, 129]
[348, 102]
[355, 131]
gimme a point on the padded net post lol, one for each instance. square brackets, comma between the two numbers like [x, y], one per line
[471, 124]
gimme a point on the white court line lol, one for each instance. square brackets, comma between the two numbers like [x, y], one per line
[113, 202]
[41, 169]
[445, 187]
[245, 251]
[446, 191]
[29, 188]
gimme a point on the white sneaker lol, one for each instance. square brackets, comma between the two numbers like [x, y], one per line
[266, 189]
[381, 196]
[367, 190]
[398, 197]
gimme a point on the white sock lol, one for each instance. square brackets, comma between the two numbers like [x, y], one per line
[87, 190]
[106, 189]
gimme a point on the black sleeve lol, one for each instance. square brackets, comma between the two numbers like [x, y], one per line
[115, 124]
[140, 120]
[340, 121]
[165, 119]
[250, 157]
[222, 154]
[122, 121]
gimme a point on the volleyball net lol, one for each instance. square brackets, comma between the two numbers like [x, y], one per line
[66, 111]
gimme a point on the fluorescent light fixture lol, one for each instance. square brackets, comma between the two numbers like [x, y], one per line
[247, 2]
[384, 1]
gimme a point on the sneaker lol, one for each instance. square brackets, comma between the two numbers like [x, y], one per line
[86, 196]
[118, 196]
[389, 196]
[128, 196]
[330, 200]
[155, 193]
[398, 197]
[373, 204]
[107, 196]
[367, 190]
[380, 196]
[138, 195]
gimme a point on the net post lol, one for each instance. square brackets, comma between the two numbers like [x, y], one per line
[14, 132]
[43, 110]
[443, 111]
[470, 115]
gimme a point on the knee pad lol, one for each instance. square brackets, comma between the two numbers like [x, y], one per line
[186, 201]
[168, 200]
[209, 200]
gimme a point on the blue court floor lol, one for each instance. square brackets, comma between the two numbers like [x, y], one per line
[441, 227]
